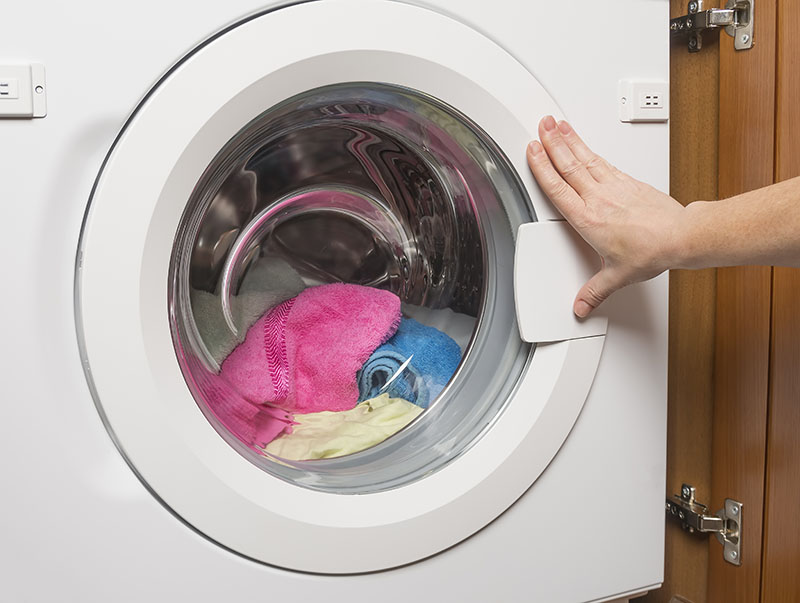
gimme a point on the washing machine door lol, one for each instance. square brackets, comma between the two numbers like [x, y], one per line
[299, 148]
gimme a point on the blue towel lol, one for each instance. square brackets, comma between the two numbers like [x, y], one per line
[433, 356]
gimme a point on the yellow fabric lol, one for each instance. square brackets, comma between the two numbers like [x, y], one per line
[324, 435]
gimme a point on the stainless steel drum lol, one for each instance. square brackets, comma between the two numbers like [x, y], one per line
[370, 184]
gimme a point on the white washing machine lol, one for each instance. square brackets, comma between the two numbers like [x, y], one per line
[169, 150]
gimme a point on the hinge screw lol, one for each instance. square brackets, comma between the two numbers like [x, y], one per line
[685, 492]
[693, 7]
[692, 43]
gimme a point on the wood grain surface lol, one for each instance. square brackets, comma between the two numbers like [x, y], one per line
[694, 93]
[781, 559]
[781, 552]
[741, 367]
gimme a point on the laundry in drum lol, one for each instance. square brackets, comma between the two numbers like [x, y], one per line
[331, 371]
[414, 364]
[253, 424]
[270, 281]
[327, 434]
[303, 355]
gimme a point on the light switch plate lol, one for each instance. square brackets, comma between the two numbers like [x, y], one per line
[25, 91]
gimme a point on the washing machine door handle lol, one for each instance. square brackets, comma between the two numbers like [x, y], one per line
[551, 263]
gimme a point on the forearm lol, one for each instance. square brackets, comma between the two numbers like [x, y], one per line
[759, 227]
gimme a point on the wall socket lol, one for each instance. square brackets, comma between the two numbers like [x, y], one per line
[22, 91]
[643, 101]
[651, 100]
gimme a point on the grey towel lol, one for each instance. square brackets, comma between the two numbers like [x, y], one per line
[269, 282]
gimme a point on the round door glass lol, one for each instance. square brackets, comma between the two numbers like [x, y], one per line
[341, 296]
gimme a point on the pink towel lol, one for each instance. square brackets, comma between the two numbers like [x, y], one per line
[303, 355]
[253, 424]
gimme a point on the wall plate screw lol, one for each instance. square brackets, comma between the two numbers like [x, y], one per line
[735, 510]
[685, 492]
[745, 39]
[693, 7]
[734, 554]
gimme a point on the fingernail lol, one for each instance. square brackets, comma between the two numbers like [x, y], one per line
[549, 123]
[535, 147]
[582, 309]
[564, 127]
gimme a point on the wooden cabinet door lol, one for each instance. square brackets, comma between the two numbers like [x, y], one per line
[734, 374]
[780, 572]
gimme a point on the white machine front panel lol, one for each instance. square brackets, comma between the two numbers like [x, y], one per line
[504, 414]
[107, 538]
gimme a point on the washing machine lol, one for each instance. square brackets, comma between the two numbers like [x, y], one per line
[178, 178]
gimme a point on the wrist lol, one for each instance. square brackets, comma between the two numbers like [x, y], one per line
[688, 248]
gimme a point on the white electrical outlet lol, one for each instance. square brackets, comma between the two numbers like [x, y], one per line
[22, 91]
[651, 100]
[643, 101]
[9, 88]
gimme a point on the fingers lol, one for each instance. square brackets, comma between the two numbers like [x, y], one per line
[595, 292]
[567, 170]
[568, 165]
[598, 167]
[557, 190]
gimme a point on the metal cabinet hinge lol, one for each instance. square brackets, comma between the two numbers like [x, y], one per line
[736, 18]
[726, 524]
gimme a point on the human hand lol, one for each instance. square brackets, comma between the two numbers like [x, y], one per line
[631, 225]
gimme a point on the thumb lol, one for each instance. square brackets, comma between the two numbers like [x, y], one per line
[595, 292]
